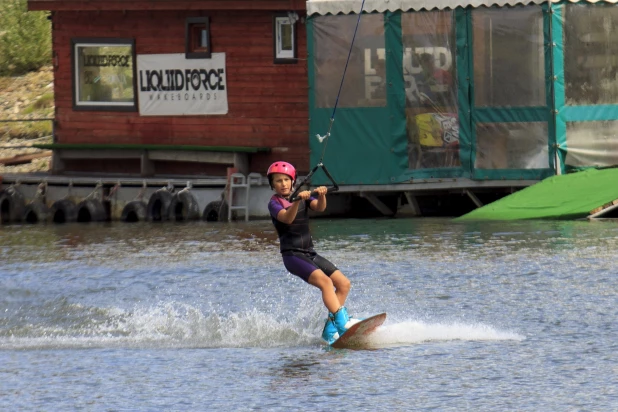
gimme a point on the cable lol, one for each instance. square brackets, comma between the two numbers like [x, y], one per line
[332, 118]
[320, 165]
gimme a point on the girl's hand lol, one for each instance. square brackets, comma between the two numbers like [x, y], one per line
[321, 191]
[304, 195]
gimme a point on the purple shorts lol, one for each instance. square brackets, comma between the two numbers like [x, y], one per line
[304, 264]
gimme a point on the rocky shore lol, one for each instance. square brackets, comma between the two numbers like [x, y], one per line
[24, 98]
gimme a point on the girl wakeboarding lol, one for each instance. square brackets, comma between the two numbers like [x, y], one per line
[290, 215]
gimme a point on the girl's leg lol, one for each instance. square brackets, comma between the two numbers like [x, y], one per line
[326, 286]
[342, 286]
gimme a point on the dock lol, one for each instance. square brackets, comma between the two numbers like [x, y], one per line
[221, 198]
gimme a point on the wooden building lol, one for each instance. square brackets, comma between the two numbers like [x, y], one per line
[178, 87]
[460, 99]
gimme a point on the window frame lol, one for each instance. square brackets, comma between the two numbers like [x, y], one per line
[79, 105]
[191, 51]
[281, 56]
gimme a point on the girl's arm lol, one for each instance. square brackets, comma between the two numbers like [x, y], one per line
[288, 215]
[319, 204]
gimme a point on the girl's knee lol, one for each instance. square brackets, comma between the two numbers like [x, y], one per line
[341, 281]
[320, 280]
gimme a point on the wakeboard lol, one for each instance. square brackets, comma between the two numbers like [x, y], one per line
[357, 336]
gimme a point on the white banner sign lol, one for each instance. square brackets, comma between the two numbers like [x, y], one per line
[170, 85]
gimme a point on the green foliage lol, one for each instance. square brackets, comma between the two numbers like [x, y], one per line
[46, 100]
[43, 102]
[29, 130]
[25, 38]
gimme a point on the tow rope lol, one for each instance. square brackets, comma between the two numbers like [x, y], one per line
[324, 138]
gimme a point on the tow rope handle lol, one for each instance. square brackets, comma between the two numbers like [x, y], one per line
[330, 189]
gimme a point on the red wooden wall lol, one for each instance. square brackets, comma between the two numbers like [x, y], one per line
[268, 103]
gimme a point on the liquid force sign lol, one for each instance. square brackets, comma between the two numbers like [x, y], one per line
[170, 85]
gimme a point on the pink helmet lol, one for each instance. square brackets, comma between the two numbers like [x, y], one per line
[282, 167]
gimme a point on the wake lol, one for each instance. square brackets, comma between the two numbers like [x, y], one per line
[179, 325]
[415, 332]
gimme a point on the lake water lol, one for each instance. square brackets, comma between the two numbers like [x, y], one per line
[150, 317]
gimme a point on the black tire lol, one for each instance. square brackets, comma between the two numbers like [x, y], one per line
[91, 210]
[12, 206]
[63, 211]
[211, 211]
[37, 212]
[184, 206]
[135, 211]
[159, 205]
[223, 212]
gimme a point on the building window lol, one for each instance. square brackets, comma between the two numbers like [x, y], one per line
[197, 38]
[590, 55]
[103, 74]
[509, 57]
[363, 84]
[284, 34]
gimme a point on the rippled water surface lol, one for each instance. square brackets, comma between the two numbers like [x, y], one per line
[481, 316]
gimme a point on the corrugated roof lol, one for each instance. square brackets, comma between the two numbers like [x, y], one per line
[353, 6]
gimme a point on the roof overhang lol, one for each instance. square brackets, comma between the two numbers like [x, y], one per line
[202, 5]
[323, 7]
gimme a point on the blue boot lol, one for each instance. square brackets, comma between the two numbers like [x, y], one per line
[330, 334]
[341, 318]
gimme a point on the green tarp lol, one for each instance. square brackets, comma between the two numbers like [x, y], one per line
[569, 196]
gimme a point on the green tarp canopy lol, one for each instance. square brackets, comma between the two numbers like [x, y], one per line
[569, 196]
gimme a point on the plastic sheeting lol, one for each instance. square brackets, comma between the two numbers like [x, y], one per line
[511, 122]
[590, 55]
[592, 143]
[365, 77]
[430, 75]
[488, 93]
[365, 147]
[511, 146]
[400, 111]
[586, 85]
[405, 95]
[509, 62]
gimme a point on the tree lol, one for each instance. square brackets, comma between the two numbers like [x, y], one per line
[25, 38]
